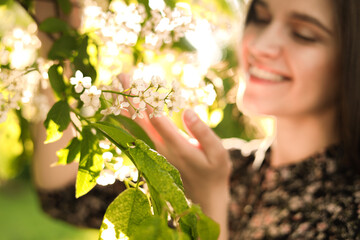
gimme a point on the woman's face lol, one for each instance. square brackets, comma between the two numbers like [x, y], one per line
[289, 54]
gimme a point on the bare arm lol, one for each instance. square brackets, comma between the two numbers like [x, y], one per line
[45, 176]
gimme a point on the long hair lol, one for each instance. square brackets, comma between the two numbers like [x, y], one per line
[347, 17]
[347, 23]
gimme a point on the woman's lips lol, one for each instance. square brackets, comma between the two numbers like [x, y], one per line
[261, 75]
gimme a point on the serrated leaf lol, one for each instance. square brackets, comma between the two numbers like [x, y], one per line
[90, 164]
[70, 153]
[65, 6]
[161, 162]
[133, 128]
[207, 228]
[155, 228]
[56, 79]
[57, 121]
[115, 134]
[125, 213]
[63, 48]
[163, 182]
[52, 25]
[158, 204]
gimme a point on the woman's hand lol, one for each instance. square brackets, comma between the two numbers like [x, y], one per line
[203, 162]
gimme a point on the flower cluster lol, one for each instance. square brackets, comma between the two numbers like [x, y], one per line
[143, 92]
[166, 25]
[122, 25]
[114, 166]
[20, 88]
[18, 47]
[19, 80]
[90, 95]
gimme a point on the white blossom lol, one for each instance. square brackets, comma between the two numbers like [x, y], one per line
[157, 82]
[105, 144]
[138, 85]
[91, 98]
[141, 99]
[107, 156]
[106, 177]
[157, 99]
[123, 173]
[138, 113]
[157, 112]
[80, 81]
[119, 105]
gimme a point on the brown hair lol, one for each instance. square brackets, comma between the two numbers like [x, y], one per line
[347, 23]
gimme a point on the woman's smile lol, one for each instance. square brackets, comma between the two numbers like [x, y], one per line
[263, 75]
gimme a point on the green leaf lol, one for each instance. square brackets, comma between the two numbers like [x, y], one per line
[70, 153]
[158, 204]
[56, 79]
[171, 3]
[160, 175]
[161, 162]
[164, 181]
[125, 213]
[184, 45]
[207, 228]
[82, 61]
[90, 164]
[133, 128]
[52, 25]
[115, 134]
[63, 48]
[156, 228]
[4, 2]
[57, 121]
[65, 6]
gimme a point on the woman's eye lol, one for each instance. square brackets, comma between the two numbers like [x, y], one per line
[261, 20]
[305, 38]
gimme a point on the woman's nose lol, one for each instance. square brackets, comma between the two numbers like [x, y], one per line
[267, 43]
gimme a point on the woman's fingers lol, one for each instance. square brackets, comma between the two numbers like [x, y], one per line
[168, 131]
[208, 140]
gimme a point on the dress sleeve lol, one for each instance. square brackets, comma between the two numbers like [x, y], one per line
[86, 211]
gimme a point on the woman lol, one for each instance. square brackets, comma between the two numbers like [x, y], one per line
[300, 58]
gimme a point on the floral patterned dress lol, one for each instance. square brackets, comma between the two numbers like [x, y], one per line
[314, 199]
[317, 198]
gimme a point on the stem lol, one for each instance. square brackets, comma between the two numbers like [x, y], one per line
[76, 127]
[126, 182]
[138, 181]
[132, 105]
[168, 94]
[79, 115]
[120, 93]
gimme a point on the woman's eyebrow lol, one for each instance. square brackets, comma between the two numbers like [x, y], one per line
[307, 18]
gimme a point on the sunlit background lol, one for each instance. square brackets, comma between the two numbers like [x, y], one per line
[209, 74]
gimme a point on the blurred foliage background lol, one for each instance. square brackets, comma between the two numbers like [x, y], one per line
[20, 213]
